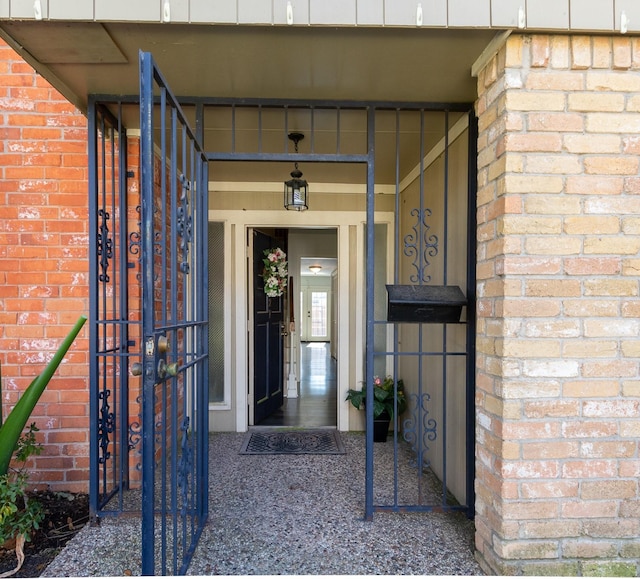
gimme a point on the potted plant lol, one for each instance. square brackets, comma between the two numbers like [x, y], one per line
[383, 403]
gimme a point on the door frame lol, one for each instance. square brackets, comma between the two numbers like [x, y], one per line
[240, 222]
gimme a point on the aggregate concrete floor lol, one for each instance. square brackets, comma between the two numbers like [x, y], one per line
[291, 515]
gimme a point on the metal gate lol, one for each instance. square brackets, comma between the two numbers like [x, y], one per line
[149, 339]
[149, 302]
[418, 337]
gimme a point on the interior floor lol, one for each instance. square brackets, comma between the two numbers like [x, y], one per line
[316, 405]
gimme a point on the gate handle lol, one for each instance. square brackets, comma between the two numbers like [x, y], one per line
[165, 369]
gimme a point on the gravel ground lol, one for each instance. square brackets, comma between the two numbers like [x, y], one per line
[314, 524]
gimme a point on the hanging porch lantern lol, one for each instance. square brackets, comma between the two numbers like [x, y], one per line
[296, 189]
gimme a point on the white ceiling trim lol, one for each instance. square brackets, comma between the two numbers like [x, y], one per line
[270, 187]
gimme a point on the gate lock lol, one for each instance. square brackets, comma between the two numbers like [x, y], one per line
[163, 369]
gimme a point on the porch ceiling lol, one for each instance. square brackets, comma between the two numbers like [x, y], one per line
[307, 63]
[386, 64]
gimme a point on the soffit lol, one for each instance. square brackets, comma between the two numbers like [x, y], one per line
[386, 64]
[333, 64]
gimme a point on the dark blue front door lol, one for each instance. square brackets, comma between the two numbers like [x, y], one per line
[268, 353]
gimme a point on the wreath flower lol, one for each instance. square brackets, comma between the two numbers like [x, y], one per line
[275, 272]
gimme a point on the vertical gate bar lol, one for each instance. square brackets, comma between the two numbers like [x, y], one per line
[233, 128]
[313, 130]
[93, 312]
[396, 275]
[103, 284]
[193, 344]
[420, 409]
[259, 128]
[168, 213]
[285, 137]
[189, 347]
[203, 316]
[115, 348]
[396, 216]
[445, 254]
[162, 322]
[196, 345]
[370, 260]
[472, 184]
[200, 123]
[148, 311]
[123, 217]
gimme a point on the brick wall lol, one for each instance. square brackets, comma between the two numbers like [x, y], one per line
[44, 264]
[558, 395]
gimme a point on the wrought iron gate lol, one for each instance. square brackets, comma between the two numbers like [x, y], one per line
[174, 327]
[149, 339]
[428, 355]
[149, 306]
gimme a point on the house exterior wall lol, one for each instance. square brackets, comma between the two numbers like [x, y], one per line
[44, 264]
[558, 396]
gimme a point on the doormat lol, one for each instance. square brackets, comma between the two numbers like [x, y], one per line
[293, 442]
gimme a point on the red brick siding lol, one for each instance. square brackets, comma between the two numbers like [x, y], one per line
[44, 263]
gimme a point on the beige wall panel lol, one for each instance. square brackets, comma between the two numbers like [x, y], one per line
[300, 12]
[505, 12]
[332, 11]
[25, 8]
[404, 12]
[631, 9]
[70, 10]
[254, 12]
[591, 15]
[220, 11]
[4, 8]
[465, 13]
[455, 252]
[140, 10]
[548, 14]
[370, 12]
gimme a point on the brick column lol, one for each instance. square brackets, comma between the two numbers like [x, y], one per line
[558, 395]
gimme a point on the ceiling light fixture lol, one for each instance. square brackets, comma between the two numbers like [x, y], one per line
[314, 269]
[296, 190]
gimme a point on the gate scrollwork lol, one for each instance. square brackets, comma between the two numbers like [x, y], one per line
[419, 429]
[421, 245]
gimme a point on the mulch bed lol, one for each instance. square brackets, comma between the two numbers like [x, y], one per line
[65, 515]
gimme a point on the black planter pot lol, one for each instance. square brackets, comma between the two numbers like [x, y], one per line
[381, 427]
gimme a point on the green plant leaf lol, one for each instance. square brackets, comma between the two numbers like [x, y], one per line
[18, 417]
[382, 394]
[356, 397]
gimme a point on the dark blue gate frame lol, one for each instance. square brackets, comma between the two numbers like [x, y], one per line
[174, 327]
[445, 504]
[368, 159]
